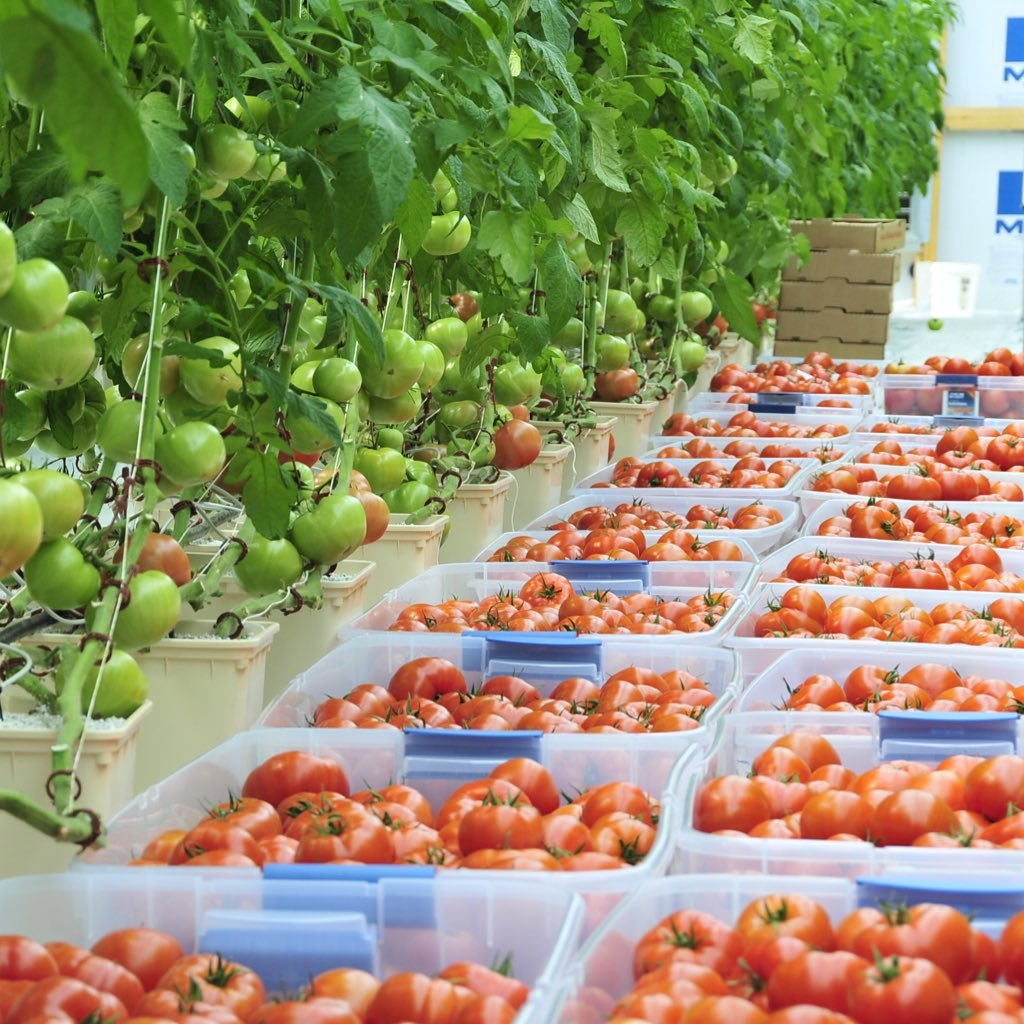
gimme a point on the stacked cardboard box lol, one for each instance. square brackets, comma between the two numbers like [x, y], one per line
[841, 300]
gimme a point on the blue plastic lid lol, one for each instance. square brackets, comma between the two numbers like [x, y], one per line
[961, 379]
[617, 577]
[989, 902]
[450, 745]
[936, 735]
[772, 407]
[959, 421]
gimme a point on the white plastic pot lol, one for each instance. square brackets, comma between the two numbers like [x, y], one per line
[538, 486]
[477, 514]
[590, 451]
[404, 551]
[633, 430]
[106, 770]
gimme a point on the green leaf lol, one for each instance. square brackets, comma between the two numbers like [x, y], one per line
[562, 285]
[348, 305]
[754, 38]
[532, 332]
[268, 496]
[578, 214]
[61, 69]
[171, 25]
[696, 106]
[117, 18]
[733, 295]
[14, 416]
[492, 341]
[58, 416]
[314, 410]
[603, 27]
[508, 236]
[338, 99]
[272, 382]
[605, 159]
[284, 51]
[643, 224]
[554, 23]
[96, 205]
[526, 123]
[413, 216]
[40, 174]
[169, 165]
[358, 218]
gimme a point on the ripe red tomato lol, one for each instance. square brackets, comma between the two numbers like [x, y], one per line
[280, 776]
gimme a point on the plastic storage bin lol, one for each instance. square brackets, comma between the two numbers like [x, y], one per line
[635, 423]
[603, 972]
[651, 536]
[289, 933]
[477, 513]
[757, 653]
[475, 581]
[935, 394]
[837, 505]
[542, 660]
[809, 417]
[861, 744]
[936, 426]
[784, 401]
[806, 446]
[765, 539]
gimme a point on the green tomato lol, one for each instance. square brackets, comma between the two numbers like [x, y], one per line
[577, 249]
[131, 365]
[82, 437]
[441, 185]
[215, 189]
[449, 334]
[123, 688]
[191, 453]
[450, 201]
[612, 353]
[637, 289]
[208, 384]
[36, 297]
[298, 471]
[639, 322]
[620, 312]
[58, 576]
[391, 437]
[696, 307]
[691, 355]
[456, 385]
[151, 613]
[21, 526]
[723, 251]
[421, 472]
[241, 290]
[226, 152]
[408, 498]
[54, 358]
[459, 415]
[433, 366]
[337, 379]
[268, 566]
[117, 432]
[181, 407]
[448, 235]
[396, 410]
[35, 404]
[571, 335]
[709, 277]
[85, 306]
[282, 115]
[474, 325]
[308, 436]
[252, 111]
[662, 308]
[313, 328]
[384, 468]
[397, 372]
[302, 376]
[332, 531]
[269, 166]
[935, 324]
[8, 258]
[573, 379]
[515, 383]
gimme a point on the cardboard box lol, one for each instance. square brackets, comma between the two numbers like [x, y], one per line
[854, 267]
[836, 295]
[836, 349]
[860, 328]
[862, 234]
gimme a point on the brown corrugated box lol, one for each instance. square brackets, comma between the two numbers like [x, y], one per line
[863, 234]
[836, 295]
[855, 267]
[857, 328]
[836, 349]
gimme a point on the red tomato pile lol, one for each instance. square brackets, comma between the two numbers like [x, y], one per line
[702, 448]
[925, 482]
[976, 567]
[433, 693]
[803, 612]
[749, 471]
[549, 602]
[643, 516]
[746, 424]
[1000, 362]
[142, 976]
[296, 807]
[617, 543]
[784, 961]
[799, 789]
[925, 687]
[817, 375]
[883, 520]
[959, 448]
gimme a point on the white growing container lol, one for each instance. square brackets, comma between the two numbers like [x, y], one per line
[477, 513]
[106, 770]
[289, 932]
[670, 580]
[836, 505]
[537, 486]
[635, 423]
[763, 540]
[404, 550]
[590, 450]
[861, 744]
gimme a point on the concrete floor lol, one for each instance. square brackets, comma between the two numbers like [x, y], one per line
[911, 340]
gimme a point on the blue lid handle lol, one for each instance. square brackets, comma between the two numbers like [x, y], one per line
[346, 872]
[616, 577]
[772, 407]
[961, 379]
[927, 735]
[958, 421]
[542, 656]
[782, 398]
[426, 749]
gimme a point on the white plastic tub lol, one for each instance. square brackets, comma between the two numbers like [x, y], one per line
[475, 581]
[590, 449]
[763, 540]
[537, 486]
[288, 932]
[635, 423]
[861, 744]
[836, 505]
[404, 550]
[477, 512]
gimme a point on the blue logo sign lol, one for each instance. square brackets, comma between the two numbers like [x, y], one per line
[1010, 200]
[1014, 50]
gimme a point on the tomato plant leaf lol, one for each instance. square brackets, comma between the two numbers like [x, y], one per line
[337, 99]
[270, 380]
[348, 305]
[40, 174]
[508, 237]
[532, 332]
[601, 26]
[555, 61]
[642, 225]
[413, 216]
[14, 416]
[314, 410]
[562, 285]
[268, 495]
[60, 67]
[605, 158]
[526, 123]
[696, 106]
[357, 224]
[733, 295]
[492, 341]
[96, 205]
[554, 23]
[168, 158]
[171, 26]
[117, 18]
[754, 38]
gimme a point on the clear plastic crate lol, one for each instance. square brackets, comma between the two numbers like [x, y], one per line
[650, 536]
[861, 744]
[603, 972]
[796, 483]
[766, 539]
[543, 660]
[805, 417]
[768, 692]
[289, 932]
[475, 581]
[784, 401]
[803, 444]
[935, 394]
[936, 426]
[757, 653]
